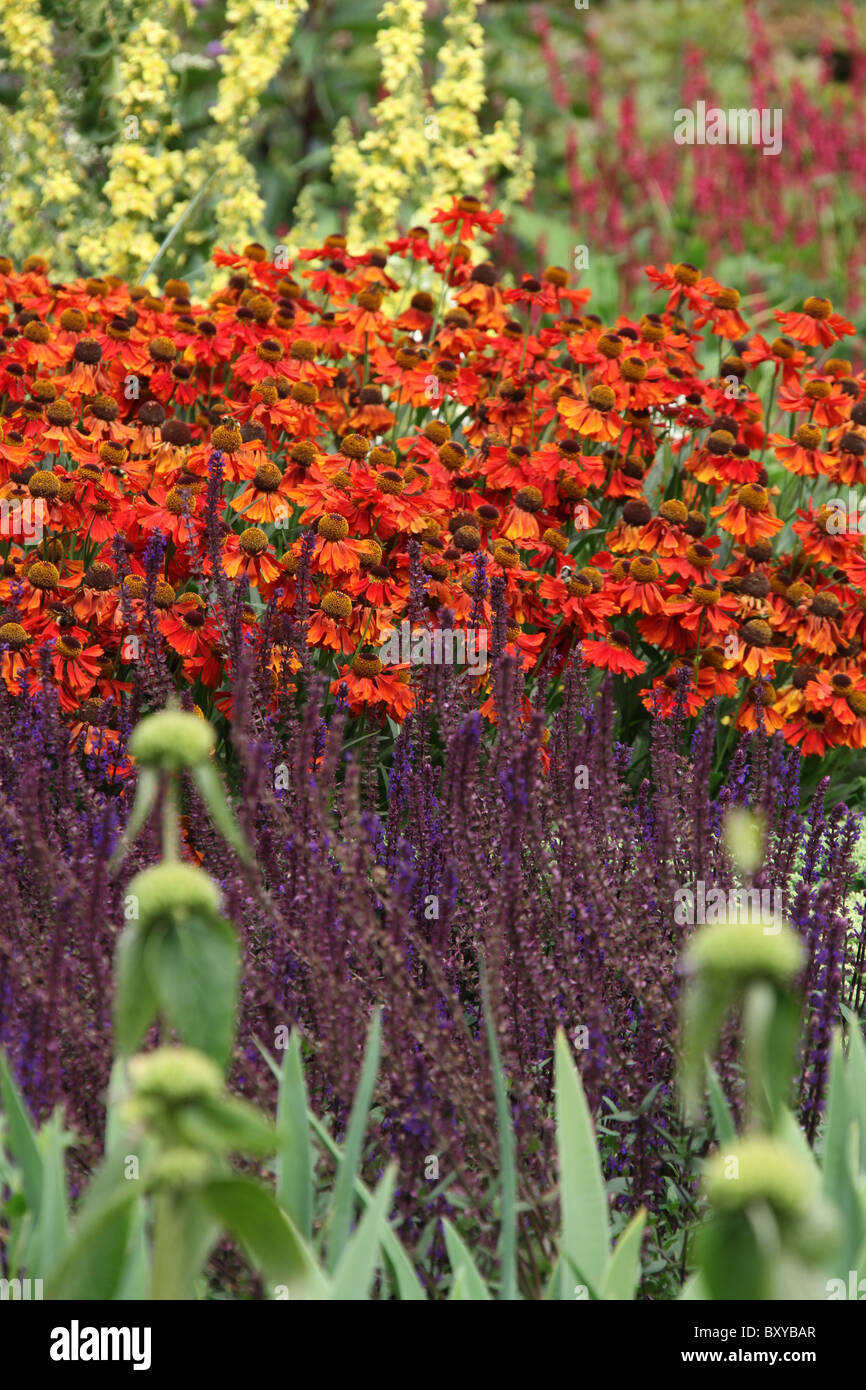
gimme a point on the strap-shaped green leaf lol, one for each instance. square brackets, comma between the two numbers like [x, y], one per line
[294, 1149]
[585, 1232]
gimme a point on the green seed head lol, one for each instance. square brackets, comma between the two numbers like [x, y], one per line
[182, 1168]
[744, 836]
[168, 889]
[746, 951]
[175, 1076]
[172, 740]
[759, 1169]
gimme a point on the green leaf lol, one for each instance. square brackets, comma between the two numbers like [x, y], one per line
[185, 1232]
[406, 1282]
[190, 207]
[623, 1271]
[837, 1164]
[20, 1138]
[463, 1267]
[211, 791]
[94, 1263]
[585, 1232]
[53, 1224]
[340, 1221]
[705, 1004]
[193, 969]
[294, 1149]
[837, 1122]
[274, 1244]
[135, 1280]
[857, 1083]
[146, 789]
[359, 1261]
[505, 1133]
[135, 1005]
[227, 1126]
[725, 1129]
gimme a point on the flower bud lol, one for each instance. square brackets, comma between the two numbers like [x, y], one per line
[759, 1169]
[170, 888]
[171, 740]
[176, 1076]
[746, 951]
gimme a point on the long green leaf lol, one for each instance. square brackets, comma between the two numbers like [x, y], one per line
[623, 1271]
[212, 793]
[463, 1267]
[726, 1130]
[508, 1169]
[343, 1201]
[53, 1227]
[135, 1004]
[173, 231]
[294, 1150]
[21, 1138]
[838, 1163]
[146, 789]
[193, 969]
[585, 1232]
[406, 1281]
[359, 1261]
[857, 1083]
[94, 1263]
[274, 1244]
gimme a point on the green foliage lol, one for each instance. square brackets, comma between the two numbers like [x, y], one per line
[187, 1163]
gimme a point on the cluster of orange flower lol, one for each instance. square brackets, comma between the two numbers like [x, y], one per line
[657, 512]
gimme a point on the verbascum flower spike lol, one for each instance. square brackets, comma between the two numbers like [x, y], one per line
[384, 166]
[143, 172]
[253, 49]
[41, 200]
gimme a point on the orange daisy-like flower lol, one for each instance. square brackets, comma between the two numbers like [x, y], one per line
[462, 218]
[369, 686]
[249, 554]
[815, 732]
[640, 590]
[761, 700]
[613, 653]
[758, 656]
[815, 324]
[748, 514]
[592, 416]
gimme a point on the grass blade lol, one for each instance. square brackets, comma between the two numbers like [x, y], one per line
[585, 1231]
[623, 1270]
[340, 1221]
[466, 1275]
[294, 1152]
[360, 1258]
[508, 1235]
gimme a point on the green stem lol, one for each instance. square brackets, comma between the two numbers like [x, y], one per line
[171, 821]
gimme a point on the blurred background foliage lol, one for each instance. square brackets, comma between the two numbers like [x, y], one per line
[597, 89]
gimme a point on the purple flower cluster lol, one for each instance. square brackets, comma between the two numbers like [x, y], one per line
[541, 857]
